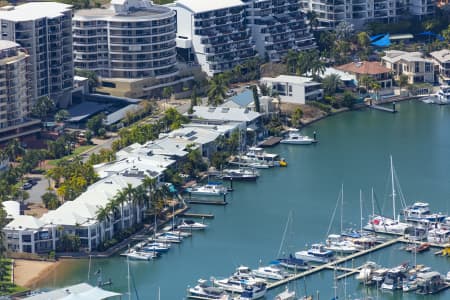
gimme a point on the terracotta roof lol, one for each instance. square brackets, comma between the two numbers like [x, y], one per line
[364, 67]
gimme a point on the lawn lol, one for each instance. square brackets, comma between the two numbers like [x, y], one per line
[76, 152]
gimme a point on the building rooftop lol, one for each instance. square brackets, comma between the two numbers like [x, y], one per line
[364, 67]
[394, 56]
[25, 222]
[441, 55]
[12, 209]
[33, 10]
[225, 114]
[74, 292]
[195, 135]
[290, 79]
[199, 6]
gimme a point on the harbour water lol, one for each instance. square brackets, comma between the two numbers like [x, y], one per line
[354, 150]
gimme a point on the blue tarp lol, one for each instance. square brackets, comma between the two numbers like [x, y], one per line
[432, 34]
[244, 98]
[376, 37]
[383, 42]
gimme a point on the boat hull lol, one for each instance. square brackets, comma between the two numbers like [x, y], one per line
[304, 255]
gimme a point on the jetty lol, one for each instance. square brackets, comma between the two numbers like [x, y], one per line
[207, 201]
[196, 215]
[383, 108]
[334, 264]
[270, 141]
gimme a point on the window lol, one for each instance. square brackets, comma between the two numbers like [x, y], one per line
[427, 67]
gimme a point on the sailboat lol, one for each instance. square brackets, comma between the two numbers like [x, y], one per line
[384, 224]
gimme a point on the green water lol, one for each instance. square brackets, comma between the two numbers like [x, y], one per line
[354, 150]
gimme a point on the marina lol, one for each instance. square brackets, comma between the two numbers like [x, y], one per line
[300, 187]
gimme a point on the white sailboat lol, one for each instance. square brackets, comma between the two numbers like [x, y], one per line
[384, 224]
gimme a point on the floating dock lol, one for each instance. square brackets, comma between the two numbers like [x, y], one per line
[196, 215]
[206, 201]
[383, 108]
[270, 141]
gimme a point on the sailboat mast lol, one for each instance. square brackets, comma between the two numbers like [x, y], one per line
[342, 207]
[360, 211]
[129, 284]
[393, 189]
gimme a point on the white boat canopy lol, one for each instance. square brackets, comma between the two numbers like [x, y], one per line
[75, 292]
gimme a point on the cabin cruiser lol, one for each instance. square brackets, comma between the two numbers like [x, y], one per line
[338, 244]
[191, 225]
[378, 276]
[238, 284]
[421, 211]
[439, 236]
[241, 174]
[139, 255]
[270, 272]
[443, 95]
[317, 253]
[252, 292]
[394, 278]
[386, 225]
[365, 275]
[156, 247]
[258, 154]
[204, 291]
[295, 138]
[293, 263]
[208, 190]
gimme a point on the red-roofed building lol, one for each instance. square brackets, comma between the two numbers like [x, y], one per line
[369, 68]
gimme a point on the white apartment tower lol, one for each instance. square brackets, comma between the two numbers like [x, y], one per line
[44, 29]
[130, 45]
[278, 26]
[15, 94]
[214, 32]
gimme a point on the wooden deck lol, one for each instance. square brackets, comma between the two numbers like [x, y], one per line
[270, 141]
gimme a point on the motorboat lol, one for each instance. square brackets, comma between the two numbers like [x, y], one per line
[204, 291]
[156, 247]
[295, 138]
[394, 278]
[139, 255]
[252, 292]
[179, 233]
[242, 174]
[338, 244]
[439, 236]
[293, 263]
[166, 238]
[208, 190]
[317, 253]
[411, 284]
[258, 154]
[421, 211]
[365, 275]
[270, 272]
[245, 161]
[386, 225]
[430, 283]
[418, 248]
[238, 284]
[443, 95]
[378, 276]
[191, 225]
[286, 295]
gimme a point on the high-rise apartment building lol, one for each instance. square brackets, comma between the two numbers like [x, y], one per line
[15, 94]
[130, 45]
[215, 33]
[278, 26]
[44, 29]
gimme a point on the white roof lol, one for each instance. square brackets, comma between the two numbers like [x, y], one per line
[394, 56]
[195, 135]
[78, 291]
[225, 114]
[34, 11]
[4, 44]
[12, 209]
[221, 128]
[198, 6]
[344, 76]
[288, 79]
[25, 222]
[441, 55]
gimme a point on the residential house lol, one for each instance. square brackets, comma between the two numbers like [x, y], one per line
[442, 64]
[294, 89]
[372, 69]
[412, 64]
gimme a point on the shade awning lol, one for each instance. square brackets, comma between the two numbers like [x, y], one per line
[92, 294]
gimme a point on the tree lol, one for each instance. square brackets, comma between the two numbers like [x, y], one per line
[167, 92]
[348, 99]
[344, 30]
[217, 90]
[296, 117]
[402, 81]
[62, 115]
[14, 149]
[256, 99]
[312, 19]
[291, 61]
[363, 41]
[376, 87]
[95, 123]
[90, 75]
[446, 34]
[331, 83]
[42, 108]
[50, 200]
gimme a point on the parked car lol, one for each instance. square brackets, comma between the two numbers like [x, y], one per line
[27, 186]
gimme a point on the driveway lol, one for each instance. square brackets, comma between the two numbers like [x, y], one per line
[37, 190]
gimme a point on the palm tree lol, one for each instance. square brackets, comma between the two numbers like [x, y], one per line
[331, 83]
[149, 183]
[62, 115]
[139, 199]
[129, 192]
[103, 216]
[402, 81]
[291, 61]
[14, 149]
[376, 87]
[312, 19]
[217, 90]
[119, 200]
[365, 81]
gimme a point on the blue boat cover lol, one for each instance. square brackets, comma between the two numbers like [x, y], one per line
[383, 42]
[429, 33]
[376, 37]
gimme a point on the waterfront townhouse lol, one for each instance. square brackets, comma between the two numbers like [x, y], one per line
[44, 29]
[357, 12]
[130, 46]
[214, 34]
[201, 138]
[15, 93]
[278, 26]
[372, 69]
[442, 64]
[412, 64]
[294, 89]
